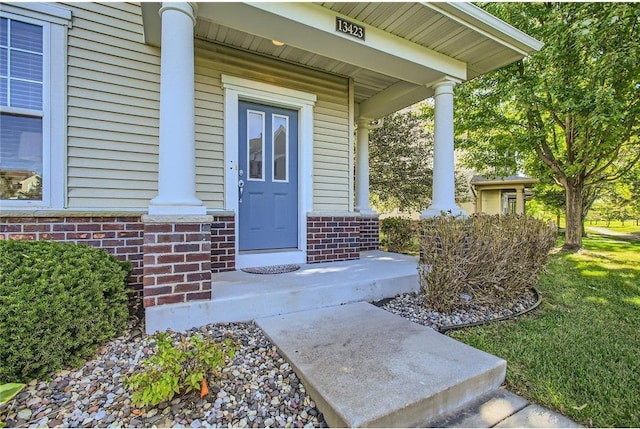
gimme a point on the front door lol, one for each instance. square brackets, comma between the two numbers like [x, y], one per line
[267, 177]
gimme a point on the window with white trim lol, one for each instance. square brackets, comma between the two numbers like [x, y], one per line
[32, 118]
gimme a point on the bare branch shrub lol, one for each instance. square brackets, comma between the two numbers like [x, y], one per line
[490, 258]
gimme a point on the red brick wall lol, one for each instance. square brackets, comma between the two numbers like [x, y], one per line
[369, 233]
[177, 262]
[223, 244]
[121, 236]
[332, 238]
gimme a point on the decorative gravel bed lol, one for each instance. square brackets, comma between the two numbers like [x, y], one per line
[258, 389]
[411, 306]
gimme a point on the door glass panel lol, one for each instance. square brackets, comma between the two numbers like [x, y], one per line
[280, 148]
[255, 137]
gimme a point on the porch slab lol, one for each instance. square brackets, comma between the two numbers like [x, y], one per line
[365, 367]
[238, 296]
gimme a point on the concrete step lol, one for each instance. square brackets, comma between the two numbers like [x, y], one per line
[365, 367]
[503, 409]
[377, 275]
[239, 297]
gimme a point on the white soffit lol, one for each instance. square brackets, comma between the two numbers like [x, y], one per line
[311, 27]
[407, 45]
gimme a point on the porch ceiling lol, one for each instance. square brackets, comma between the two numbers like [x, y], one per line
[408, 45]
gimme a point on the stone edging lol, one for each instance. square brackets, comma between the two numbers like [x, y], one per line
[447, 328]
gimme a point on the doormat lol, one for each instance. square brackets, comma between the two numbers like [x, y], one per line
[272, 269]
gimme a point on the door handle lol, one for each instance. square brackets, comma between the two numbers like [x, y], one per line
[240, 188]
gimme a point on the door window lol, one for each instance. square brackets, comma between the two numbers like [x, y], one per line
[255, 144]
[280, 146]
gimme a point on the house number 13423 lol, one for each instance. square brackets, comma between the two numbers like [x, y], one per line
[346, 27]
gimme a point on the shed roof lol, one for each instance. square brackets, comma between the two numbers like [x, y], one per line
[519, 179]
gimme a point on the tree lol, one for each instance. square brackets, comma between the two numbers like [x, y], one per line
[620, 200]
[401, 162]
[574, 104]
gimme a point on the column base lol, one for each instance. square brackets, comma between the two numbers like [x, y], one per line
[179, 210]
[367, 211]
[435, 211]
[177, 259]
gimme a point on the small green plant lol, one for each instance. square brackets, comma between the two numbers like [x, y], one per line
[178, 367]
[58, 303]
[400, 234]
[7, 392]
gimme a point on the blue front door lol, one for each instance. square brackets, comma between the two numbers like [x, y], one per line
[268, 177]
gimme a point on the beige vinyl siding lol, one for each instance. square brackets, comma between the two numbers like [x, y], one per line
[113, 111]
[331, 121]
[113, 108]
[492, 202]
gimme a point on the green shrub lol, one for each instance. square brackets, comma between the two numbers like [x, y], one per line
[400, 234]
[58, 302]
[177, 368]
[490, 258]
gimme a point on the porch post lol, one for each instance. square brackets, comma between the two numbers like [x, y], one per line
[443, 199]
[520, 200]
[177, 162]
[177, 230]
[362, 167]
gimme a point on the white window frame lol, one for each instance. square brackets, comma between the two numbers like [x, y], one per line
[54, 21]
[236, 89]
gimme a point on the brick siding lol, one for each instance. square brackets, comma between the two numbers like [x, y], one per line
[121, 236]
[223, 244]
[332, 238]
[173, 262]
[177, 262]
[369, 233]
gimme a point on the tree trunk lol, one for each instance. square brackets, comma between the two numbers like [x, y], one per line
[573, 227]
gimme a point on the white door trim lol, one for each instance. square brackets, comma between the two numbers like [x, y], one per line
[235, 89]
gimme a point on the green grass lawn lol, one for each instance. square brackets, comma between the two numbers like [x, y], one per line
[579, 352]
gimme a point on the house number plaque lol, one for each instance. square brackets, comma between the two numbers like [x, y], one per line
[349, 28]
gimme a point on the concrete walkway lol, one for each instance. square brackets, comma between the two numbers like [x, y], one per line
[365, 367]
[503, 409]
[611, 233]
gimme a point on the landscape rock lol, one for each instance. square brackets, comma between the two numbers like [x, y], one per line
[254, 388]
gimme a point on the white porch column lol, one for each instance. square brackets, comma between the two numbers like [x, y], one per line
[177, 152]
[443, 199]
[362, 167]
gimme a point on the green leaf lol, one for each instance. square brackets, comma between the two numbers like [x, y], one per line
[9, 390]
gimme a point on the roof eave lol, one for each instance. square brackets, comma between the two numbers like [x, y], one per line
[484, 23]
